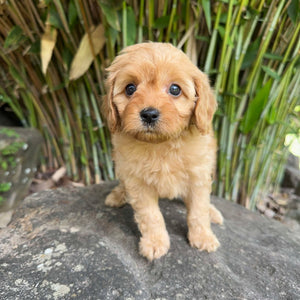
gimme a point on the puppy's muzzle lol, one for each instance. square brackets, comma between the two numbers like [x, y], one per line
[149, 116]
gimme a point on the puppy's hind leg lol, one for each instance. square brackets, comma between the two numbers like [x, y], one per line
[117, 197]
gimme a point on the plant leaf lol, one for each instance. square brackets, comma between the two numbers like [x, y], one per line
[17, 76]
[72, 13]
[207, 13]
[53, 17]
[271, 72]
[111, 15]
[293, 10]
[271, 116]
[14, 38]
[161, 22]
[131, 26]
[255, 108]
[273, 56]
[251, 54]
[48, 42]
[84, 55]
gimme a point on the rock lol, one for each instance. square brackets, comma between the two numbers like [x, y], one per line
[64, 244]
[291, 178]
[19, 150]
[293, 210]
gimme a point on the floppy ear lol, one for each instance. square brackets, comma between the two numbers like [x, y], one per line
[206, 104]
[108, 108]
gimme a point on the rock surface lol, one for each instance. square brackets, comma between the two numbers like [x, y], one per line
[65, 244]
[291, 178]
[19, 152]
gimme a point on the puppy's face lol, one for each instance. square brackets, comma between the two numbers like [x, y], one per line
[155, 93]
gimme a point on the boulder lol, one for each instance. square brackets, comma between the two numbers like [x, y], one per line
[19, 153]
[291, 178]
[65, 244]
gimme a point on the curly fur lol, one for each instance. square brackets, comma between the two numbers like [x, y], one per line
[173, 158]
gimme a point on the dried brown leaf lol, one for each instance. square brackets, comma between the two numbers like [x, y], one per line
[60, 173]
[85, 55]
[48, 42]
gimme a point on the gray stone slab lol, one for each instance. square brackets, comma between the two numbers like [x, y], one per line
[19, 154]
[65, 244]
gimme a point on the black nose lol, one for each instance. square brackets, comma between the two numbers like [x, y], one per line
[149, 115]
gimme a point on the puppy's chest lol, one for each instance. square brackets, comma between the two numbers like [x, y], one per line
[169, 175]
[166, 171]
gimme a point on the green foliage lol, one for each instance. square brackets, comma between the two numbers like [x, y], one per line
[4, 187]
[8, 152]
[250, 49]
[9, 132]
[12, 148]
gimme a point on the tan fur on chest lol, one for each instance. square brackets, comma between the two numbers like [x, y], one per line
[167, 167]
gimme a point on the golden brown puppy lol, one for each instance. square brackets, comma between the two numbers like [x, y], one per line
[159, 109]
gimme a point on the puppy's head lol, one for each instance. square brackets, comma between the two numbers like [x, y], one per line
[154, 93]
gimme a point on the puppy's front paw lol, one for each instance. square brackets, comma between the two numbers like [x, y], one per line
[204, 241]
[215, 215]
[155, 247]
[115, 200]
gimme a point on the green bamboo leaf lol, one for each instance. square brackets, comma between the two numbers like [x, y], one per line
[255, 108]
[251, 54]
[207, 13]
[35, 48]
[271, 116]
[53, 17]
[221, 30]
[271, 72]
[273, 56]
[131, 26]
[111, 15]
[67, 58]
[161, 22]
[72, 13]
[14, 38]
[294, 10]
[16, 76]
[5, 100]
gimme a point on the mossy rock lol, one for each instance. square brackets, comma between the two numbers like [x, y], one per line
[19, 153]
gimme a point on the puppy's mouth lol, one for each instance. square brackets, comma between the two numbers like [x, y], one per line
[149, 125]
[150, 136]
[150, 119]
[154, 134]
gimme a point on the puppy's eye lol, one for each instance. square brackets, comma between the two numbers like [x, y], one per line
[130, 89]
[175, 90]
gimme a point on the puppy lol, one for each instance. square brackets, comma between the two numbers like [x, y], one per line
[159, 109]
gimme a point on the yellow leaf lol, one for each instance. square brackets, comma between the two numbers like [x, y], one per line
[47, 45]
[85, 55]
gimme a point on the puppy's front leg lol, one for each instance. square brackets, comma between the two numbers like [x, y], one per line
[155, 241]
[200, 234]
